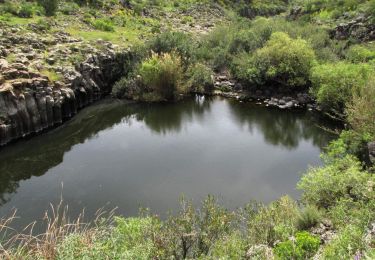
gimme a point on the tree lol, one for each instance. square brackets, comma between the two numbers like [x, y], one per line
[50, 6]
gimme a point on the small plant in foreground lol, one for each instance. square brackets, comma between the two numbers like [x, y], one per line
[304, 246]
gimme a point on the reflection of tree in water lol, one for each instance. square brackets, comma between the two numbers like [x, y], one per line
[35, 157]
[282, 128]
[164, 118]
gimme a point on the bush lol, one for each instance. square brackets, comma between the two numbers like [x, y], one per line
[200, 78]
[178, 42]
[69, 8]
[305, 246]
[162, 75]
[9, 7]
[361, 53]
[334, 83]
[262, 8]
[129, 88]
[230, 247]
[266, 225]
[50, 6]
[342, 178]
[347, 244]
[361, 110]
[308, 217]
[214, 47]
[103, 25]
[282, 61]
[349, 142]
[26, 10]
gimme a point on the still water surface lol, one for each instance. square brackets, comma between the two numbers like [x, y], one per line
[131, 155]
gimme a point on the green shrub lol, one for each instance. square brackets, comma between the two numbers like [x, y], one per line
[50, 6]
[361, 53]
[200, 78]
[69, 8]
[305, 246]
[178, 42]
[129, 88]
[282, 61]
[275, 222]
[103, 25]
[9, 7]
[191, 233]
[162, 74]
[129, 238]
[229, 247]
[361, 110]
[334, 83]
[340, 179]
[346, 245]
[26, 10]
[308, 217]
[261, 8]
[349, 142]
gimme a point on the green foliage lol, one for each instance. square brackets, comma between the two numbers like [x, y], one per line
[200, 78]
[308, 217]
[304, 247]
[69, 8]
[9, 7]
[349, 142]
[162, 75]
[343, 178]
[50, 6]
[346, 245]
[129, 88]
[361, 110]
[282, 61]
[232, 246]
[191, 234]
[334, 83]
[333, 7]
[178, 42]
[266, 225]
[361, 53]
[130, 238]
[253, 8]
[103, 25]
[26, 10]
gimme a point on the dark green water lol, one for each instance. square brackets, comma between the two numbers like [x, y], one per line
[117, 154]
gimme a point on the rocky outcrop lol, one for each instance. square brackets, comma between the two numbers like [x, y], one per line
[361, 28]
[225, 86]
[30, 102]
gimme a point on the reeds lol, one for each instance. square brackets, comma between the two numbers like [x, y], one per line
[56, 225]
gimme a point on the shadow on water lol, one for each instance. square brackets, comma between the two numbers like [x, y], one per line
[283, 129]
[34, 157]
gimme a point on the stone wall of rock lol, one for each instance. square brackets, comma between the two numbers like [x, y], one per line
[30, 102]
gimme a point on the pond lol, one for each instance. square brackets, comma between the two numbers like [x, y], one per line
[118, 154]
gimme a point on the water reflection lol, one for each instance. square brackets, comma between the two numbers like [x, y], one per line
[204, 136]
[282, 128]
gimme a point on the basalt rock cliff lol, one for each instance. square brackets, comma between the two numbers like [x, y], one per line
[30, 102]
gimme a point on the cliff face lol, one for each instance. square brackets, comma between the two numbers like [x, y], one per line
[30, 102]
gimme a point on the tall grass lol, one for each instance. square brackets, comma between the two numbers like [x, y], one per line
[26, 244]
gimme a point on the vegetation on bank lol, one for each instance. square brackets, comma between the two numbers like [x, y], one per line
[276, 50]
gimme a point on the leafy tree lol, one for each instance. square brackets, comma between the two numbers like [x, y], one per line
[334, 83]
[50, 6]
[283, 61]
